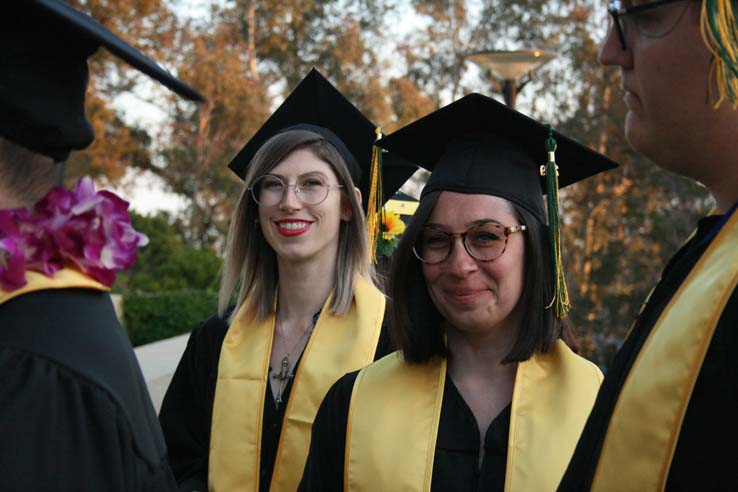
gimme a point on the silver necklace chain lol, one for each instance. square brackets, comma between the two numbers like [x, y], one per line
[285, 370]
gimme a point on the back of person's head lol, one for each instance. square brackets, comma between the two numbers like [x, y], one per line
[251, 264]
[25, 176]
[43, 81]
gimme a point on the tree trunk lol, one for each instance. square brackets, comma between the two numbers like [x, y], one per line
[251, 18]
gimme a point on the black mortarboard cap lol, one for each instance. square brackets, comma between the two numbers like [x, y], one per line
[479, 145]
[316, 105]
[44, 74]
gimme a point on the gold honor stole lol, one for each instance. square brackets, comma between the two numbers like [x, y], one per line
[395, 411]
[338, 345]
[66, 278]
[647, 418]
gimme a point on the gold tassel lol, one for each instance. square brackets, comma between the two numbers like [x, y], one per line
[560, 300]
[374, 210]
[720, 33]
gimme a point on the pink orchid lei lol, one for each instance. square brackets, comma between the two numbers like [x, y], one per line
[83, 229]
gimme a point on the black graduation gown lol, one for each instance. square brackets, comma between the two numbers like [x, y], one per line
[75, 414]
[187, 409]
[456, 462]
[706, 456]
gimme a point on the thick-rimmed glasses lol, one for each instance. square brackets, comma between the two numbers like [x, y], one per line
[484, 242]
[269, 190]
[649, 19]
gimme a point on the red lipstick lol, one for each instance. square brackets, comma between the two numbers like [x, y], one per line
[292, 227]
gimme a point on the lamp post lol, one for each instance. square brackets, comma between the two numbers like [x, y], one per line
[506, 69]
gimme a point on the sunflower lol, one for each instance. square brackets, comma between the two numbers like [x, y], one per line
[392, 225]
[391, 229]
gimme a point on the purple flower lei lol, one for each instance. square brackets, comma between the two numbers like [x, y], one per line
[83, 229]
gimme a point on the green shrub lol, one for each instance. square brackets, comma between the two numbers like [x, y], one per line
[168, 262]
[152, 316]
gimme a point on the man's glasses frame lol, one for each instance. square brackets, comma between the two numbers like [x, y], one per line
[618, 12]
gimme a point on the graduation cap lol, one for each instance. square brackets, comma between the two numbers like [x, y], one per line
[477, 145]
[44, 74]
[316, 105]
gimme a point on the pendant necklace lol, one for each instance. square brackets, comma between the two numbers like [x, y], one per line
[285, 373]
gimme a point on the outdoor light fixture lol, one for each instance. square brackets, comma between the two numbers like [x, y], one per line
[506, 69]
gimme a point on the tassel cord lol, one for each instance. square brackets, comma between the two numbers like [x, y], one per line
[374, 212]
[560, 301]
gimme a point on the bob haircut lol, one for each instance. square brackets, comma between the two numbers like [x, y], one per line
[251, 264]
[415, 323]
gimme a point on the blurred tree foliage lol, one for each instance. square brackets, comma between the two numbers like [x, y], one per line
[397, 60]
[168, 262]
[150, 26]
[197, 147]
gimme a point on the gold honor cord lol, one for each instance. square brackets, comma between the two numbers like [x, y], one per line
[374, 210]
[560, 300]
[65, 278]
[720, 34]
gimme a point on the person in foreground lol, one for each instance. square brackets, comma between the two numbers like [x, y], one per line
[75, 413]
[665, 418]
[484, 393]
[238, 411]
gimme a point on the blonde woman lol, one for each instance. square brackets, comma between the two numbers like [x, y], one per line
[238, 412]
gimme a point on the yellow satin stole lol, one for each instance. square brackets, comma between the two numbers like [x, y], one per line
[338, 345]
[645, 424]
[65, 278]
[395, 411]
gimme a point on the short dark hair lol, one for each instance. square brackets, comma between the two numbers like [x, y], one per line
[415, 322]
[26, 176]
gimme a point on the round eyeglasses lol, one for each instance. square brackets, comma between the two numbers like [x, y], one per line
[651, 19]
[485, 242]
[269, 190]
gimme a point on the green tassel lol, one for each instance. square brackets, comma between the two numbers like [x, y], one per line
[560, 300]
[720, 33]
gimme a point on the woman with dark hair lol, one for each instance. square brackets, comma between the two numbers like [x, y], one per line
[238, 411]
[484, 392]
